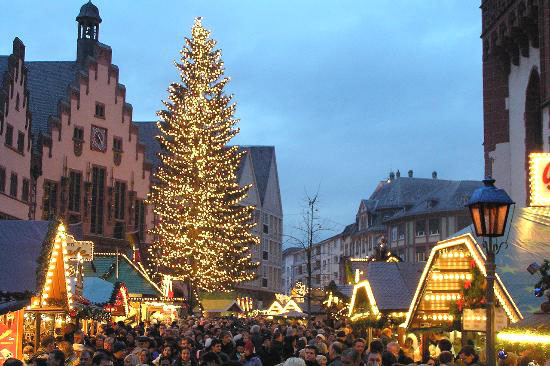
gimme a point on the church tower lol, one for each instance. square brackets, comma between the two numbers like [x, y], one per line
[516, 89]
[88, 31]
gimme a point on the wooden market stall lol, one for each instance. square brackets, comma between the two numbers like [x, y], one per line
[221, 307]
[145, 298]
[451, 292]
[381, 295]
[37, 279]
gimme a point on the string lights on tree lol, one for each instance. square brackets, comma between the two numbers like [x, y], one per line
[202, 232]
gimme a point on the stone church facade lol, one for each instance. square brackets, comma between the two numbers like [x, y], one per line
[516, 89]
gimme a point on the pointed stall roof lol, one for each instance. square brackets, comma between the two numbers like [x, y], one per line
[389, 286]
[136, 280]
[462, 242]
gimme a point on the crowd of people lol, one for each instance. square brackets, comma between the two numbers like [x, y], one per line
[241, 342]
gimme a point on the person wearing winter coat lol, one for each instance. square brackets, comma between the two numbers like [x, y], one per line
[249, 358]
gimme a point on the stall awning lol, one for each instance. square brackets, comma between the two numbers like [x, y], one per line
[529, 241]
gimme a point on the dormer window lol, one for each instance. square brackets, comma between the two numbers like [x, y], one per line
[99, 110]
[431, 203]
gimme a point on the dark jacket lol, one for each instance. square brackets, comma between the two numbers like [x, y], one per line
[336, 362]
[257, 339]
[229, 350]
[268, 357]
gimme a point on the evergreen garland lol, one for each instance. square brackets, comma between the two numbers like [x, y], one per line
[472, 295]
[46, 252]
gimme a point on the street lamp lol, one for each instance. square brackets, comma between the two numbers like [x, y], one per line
[489, 207]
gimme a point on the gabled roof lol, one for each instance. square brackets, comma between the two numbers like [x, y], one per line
[137, 282]
[291, 250]
[48, 84]
[221, 305]
[413, 193]
[449, 196]
[391, 284]
[349, 229]
[262, 156]
[97, 290]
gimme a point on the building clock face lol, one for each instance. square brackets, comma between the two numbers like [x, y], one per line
[99, 139]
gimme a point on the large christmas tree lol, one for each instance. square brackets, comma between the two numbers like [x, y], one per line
[202, 234]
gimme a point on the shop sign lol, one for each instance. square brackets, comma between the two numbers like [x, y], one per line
[476, 319]
[11, 331]
[539, 178]
[83, 248]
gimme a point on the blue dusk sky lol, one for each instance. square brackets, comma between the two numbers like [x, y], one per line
[346, 91]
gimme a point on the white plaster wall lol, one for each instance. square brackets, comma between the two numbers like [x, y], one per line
[272, 200]
[517, 85]
[288, 265]
[502, 171]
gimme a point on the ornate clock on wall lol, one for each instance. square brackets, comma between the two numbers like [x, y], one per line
[98, 139]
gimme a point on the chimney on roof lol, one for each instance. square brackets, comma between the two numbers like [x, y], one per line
[434, 175]
[410, 173]
[398, 174]
[392, 176]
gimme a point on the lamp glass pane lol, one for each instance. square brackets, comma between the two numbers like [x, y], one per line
[476, 219]
[502, 214]
[491, 219]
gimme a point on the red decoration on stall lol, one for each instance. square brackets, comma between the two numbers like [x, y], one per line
[467, 284]
[460, 304]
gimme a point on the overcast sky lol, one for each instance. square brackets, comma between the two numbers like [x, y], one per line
[345, 90]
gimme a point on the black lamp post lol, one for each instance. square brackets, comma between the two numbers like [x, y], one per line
[489, 208]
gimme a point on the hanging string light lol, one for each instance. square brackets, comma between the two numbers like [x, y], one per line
[203, 232]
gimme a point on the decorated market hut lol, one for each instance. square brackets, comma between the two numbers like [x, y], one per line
[146, 298]
[221, 307]
[338, 297]
[450, 295]
[36, 280]
[113, 298]
[382, 292]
